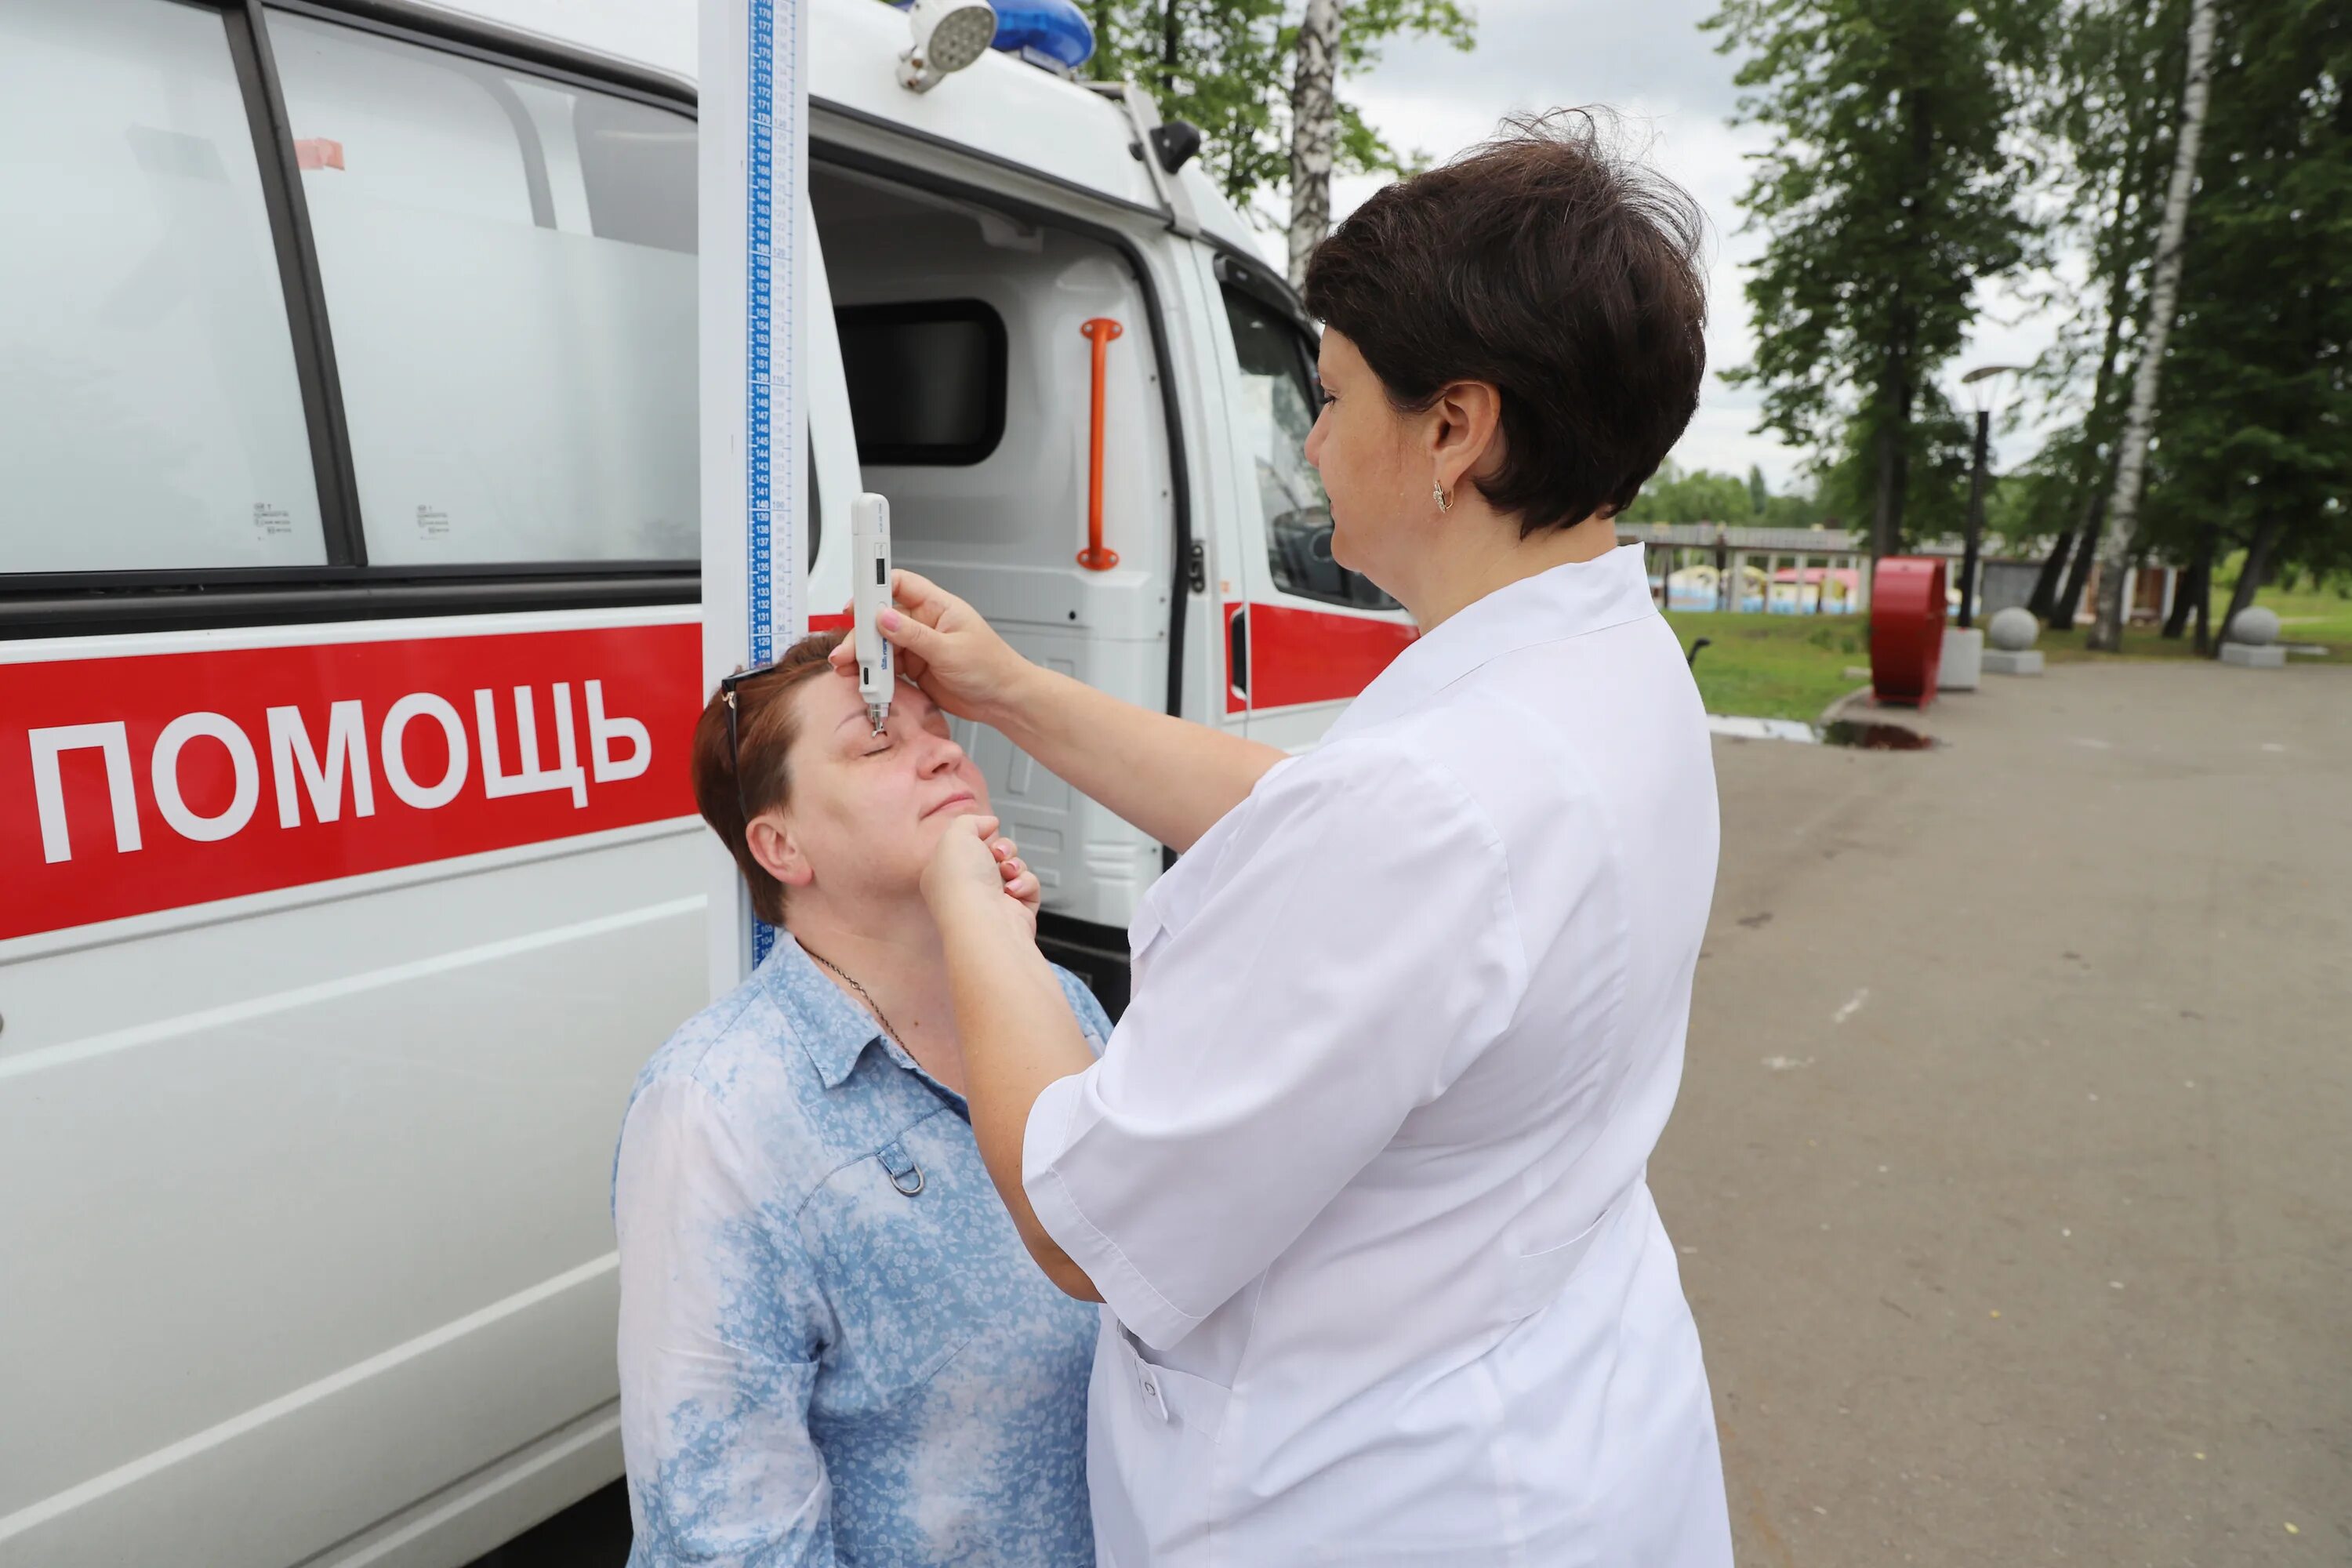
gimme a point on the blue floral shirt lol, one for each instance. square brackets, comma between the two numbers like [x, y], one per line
[833, 1348]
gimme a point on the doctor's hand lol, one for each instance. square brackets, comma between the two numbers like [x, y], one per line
[975, 868]
[946, 648]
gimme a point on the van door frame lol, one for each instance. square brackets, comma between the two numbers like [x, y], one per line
[1376, 635]
[1097, 953]
[828, 150]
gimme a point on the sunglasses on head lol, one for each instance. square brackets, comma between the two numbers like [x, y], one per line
[727, 690]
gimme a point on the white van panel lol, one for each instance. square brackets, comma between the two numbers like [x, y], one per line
[1014, 113]
[318, 1181]
[660, 34]
[315, 1181]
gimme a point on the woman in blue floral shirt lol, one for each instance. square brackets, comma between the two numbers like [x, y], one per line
[833, 1348]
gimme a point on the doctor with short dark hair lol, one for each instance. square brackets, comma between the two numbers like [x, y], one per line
[1359, 1177]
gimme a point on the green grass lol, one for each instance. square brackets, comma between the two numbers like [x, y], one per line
[1773, 667]
[1792, 666]
[2307, 615]
[2139, 642]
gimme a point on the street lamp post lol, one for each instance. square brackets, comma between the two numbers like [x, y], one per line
[1982, 392]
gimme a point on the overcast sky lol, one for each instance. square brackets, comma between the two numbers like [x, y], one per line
[1652, 63]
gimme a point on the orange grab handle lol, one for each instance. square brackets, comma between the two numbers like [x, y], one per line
[1094, 557]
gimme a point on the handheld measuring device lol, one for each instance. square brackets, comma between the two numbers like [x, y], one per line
[869, 565]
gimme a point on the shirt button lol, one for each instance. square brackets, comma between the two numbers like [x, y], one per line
[1152, 1397]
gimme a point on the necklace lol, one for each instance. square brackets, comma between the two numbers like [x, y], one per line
[863, 995]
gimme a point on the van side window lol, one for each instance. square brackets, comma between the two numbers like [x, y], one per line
[927, 380]
[1277, 404]
[510, 276]
[150, 417]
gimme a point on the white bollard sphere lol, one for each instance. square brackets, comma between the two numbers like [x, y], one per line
[2013, 630]
[2255, 626]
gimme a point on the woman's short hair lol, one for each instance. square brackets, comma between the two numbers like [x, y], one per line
[767, 721]
[1563, 274]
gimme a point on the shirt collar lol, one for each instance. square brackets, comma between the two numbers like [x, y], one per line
[1550, 606]
[833, 1029]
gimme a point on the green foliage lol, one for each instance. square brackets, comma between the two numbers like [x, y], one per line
[1939, 446]
[1923, 148]
[2105, 113]
[2036, 500]
[1892, 189]
[1226, 66]
[2253, 421]
[2256, 427]
[1677, 494]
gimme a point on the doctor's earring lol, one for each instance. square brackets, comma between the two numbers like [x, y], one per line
[1437, 493]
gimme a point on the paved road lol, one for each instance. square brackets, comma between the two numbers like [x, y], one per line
[2014, 1168]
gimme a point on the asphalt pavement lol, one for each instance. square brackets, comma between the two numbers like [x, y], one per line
[2012, 1175]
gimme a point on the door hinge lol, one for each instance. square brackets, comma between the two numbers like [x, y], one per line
[1196, 559]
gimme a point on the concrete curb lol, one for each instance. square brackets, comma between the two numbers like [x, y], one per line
[1859, 696]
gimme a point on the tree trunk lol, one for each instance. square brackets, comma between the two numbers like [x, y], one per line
[2070, 599]
[2202, 585]
[2054, 572]
[2176, 622]
[2046, 600]
[1105, 63]
[1895, 388]
[1974, 551]
[1172, 38]
[1886, 511]
[2164, 295]
[1314, 131]
[2258, 555]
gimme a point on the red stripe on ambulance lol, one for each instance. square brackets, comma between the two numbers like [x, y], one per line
[1298, 656]
[151, 782]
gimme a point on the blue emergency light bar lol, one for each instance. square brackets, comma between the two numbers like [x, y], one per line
[1054, 34]
[1050, 32]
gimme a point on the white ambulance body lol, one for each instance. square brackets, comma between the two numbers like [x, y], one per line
[349, 646]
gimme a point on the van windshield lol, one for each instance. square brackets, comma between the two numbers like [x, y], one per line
[1277, 406]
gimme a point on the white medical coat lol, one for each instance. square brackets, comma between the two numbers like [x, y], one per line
[1360, 1175]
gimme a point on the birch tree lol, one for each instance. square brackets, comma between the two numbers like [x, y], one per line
[2252, 444]
[2104, 116]
[1313, 132]
[2164, 295]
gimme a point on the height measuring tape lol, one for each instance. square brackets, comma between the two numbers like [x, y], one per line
[753, 170]
[770, 292]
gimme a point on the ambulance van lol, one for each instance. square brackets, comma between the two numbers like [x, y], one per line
[349, 647]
